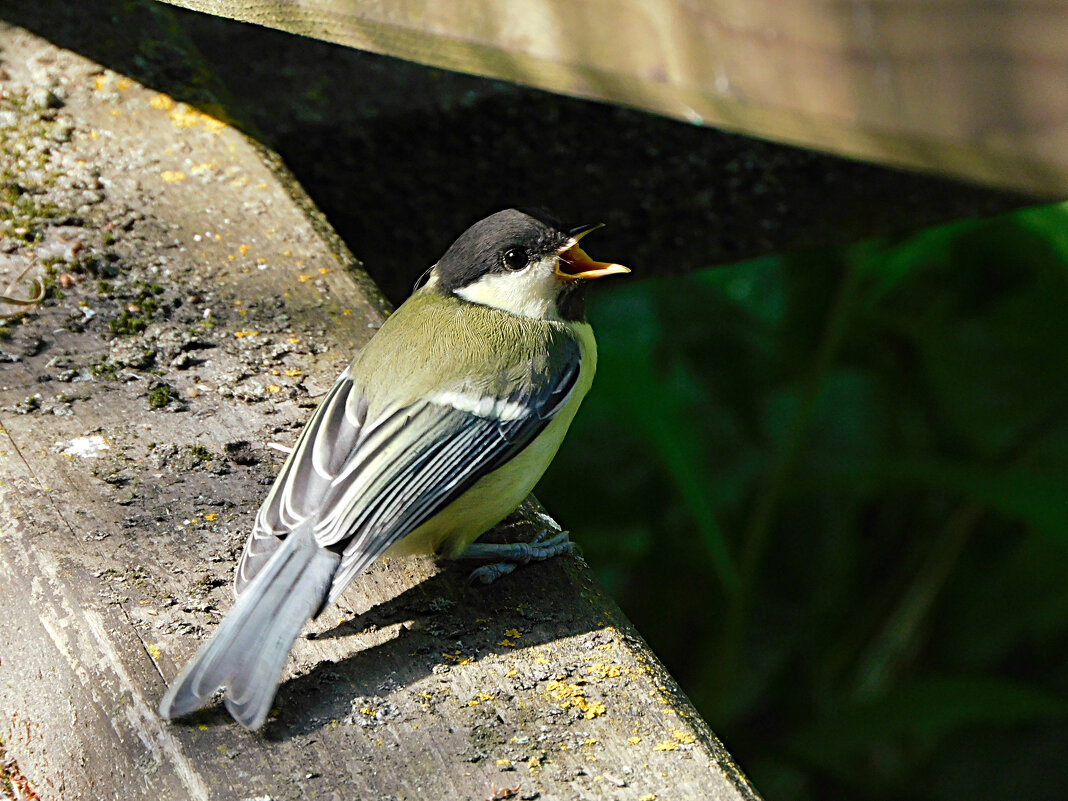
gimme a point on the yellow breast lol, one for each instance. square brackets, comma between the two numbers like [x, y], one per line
[497, 494]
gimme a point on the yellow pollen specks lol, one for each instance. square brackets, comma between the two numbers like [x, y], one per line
[683, 736]
[292, 340]
[172, 176]
[243, 334]
[304, 278]
[243, 249]
[458, 657]
[594, 709]
[211, 517]
[648, 797]
[510, 636]
[185, 116]
[634, 741]
[273, 388]
[605, 670]
[100, 82]
[480, 698]
[667, 745]
[293, 373]
[572, 695]
[324, 270]
[161, 102]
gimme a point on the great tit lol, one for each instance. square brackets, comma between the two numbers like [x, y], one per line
[439, 428]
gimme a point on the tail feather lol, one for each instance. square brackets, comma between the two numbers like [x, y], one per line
[247, 653]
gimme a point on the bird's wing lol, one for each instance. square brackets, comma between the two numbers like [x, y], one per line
[306, 476]
[368, 483]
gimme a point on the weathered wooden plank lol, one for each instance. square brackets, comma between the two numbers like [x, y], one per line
[203, 308]
[975, 90]
[432, 150]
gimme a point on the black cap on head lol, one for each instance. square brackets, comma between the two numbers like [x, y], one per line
[498, 243]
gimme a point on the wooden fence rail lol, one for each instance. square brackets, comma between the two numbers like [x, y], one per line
[977, 90]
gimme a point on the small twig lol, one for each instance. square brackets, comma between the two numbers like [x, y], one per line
[502, 793]
[39, 295]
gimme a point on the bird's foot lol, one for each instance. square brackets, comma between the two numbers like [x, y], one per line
[511, 555]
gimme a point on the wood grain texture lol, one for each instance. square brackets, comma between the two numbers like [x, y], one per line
[977, 90]
[123, 505]
[432, 150]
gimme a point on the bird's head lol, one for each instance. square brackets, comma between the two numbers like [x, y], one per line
[524, 262]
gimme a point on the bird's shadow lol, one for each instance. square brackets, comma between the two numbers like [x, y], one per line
[442, 620]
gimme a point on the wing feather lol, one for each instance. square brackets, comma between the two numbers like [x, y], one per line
[281, 510]
[369, 482]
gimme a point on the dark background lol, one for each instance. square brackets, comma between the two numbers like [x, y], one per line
[829, 487]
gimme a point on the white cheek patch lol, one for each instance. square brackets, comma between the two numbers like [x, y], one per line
[488, 407]
[531, 292]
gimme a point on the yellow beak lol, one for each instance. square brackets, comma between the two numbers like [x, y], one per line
[575, 265]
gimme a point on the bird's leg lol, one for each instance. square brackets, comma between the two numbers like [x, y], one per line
[512, 554]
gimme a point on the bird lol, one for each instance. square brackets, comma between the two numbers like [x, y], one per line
[438, 429]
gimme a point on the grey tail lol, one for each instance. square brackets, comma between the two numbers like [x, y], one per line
[247, 653]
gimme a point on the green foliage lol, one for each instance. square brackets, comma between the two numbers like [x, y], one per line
[833, 493]
[139, 313]
[161, 396]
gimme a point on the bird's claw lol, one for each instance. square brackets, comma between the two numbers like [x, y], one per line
[512, 554]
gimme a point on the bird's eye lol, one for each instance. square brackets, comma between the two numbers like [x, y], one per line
[515, 258]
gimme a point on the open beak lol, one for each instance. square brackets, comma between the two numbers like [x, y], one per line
[575, 265]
